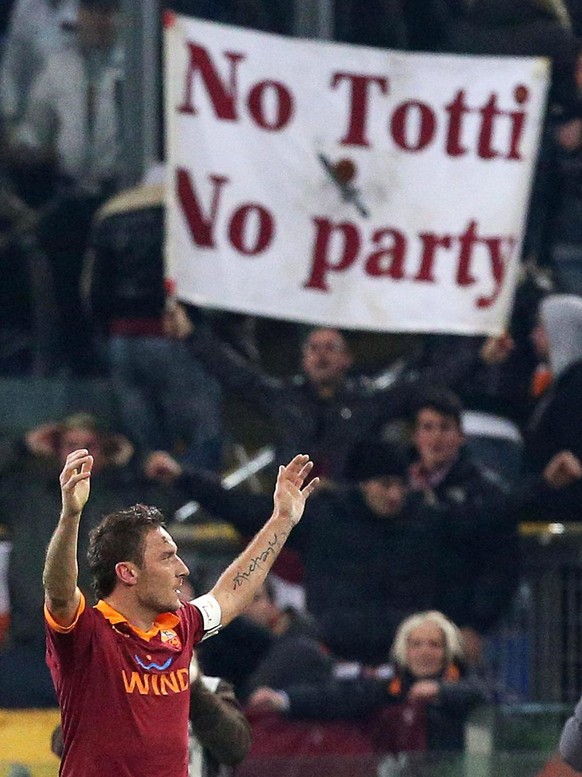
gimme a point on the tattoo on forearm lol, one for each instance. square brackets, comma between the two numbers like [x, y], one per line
[256, 562]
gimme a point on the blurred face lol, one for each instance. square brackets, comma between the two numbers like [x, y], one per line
[96, 27]
[326, 357]
[73, 439]
[384, 495]
[159, 579]
[438, 439]
[262, 610]
[425, 651]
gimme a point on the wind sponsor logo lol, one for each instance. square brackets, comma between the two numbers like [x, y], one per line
[146, 684]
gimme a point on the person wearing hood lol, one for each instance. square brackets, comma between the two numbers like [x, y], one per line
[35, 459]
[554, 437]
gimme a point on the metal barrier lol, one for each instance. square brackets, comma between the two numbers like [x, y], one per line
[537, 650]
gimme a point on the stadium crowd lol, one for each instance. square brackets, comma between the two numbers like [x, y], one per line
[408, 558]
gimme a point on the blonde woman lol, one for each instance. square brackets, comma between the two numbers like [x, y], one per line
[426, 669]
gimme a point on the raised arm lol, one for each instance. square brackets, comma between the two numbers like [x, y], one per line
[62, 596]
[239, 582]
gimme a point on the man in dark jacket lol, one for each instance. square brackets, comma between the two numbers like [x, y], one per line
[481, 565]
[325, 409]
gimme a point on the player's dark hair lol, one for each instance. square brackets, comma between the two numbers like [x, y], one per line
[120, 536]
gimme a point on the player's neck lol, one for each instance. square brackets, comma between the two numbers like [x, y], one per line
[137, 616]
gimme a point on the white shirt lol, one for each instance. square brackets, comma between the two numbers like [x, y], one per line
[37, 27]
[83, 129]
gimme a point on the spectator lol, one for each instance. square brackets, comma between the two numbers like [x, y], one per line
[481, 562]
[427, 669]
[165, 400]
[553, 440]
[497, 390]
[36, 29]
[264, 642]
[325, 409]
[36, 460]
[72, 114]
[71, 123]
[371, 556]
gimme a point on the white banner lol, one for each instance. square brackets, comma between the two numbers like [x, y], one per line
[347, 186]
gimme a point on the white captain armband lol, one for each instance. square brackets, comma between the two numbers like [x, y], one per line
[211, 613]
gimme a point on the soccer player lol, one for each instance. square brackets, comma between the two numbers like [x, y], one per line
[120, 668]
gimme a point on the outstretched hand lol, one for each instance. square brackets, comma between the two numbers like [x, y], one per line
[75, 481]
[290, 492]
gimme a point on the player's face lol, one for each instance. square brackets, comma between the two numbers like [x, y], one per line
[437, 438]
[161, 575]
[425, 651]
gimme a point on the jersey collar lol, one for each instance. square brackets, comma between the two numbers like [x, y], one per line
[166, 620]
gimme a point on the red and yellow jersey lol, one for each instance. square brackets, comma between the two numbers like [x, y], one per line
[124, 694]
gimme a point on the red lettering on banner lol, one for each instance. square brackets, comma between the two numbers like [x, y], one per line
[240, 223]
[359, 98]
[238, 229]
[457, 109]
[414, 125]
[390, 259]
[201, 228]
[283, 104]
[338, 247]
[400, 125]
[430, 243]
[468, 240]
[349, 237]
[222, 96]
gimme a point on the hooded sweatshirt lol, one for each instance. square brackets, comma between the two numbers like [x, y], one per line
[556, 424]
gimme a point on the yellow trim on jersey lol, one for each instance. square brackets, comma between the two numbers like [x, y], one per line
[57, 626]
